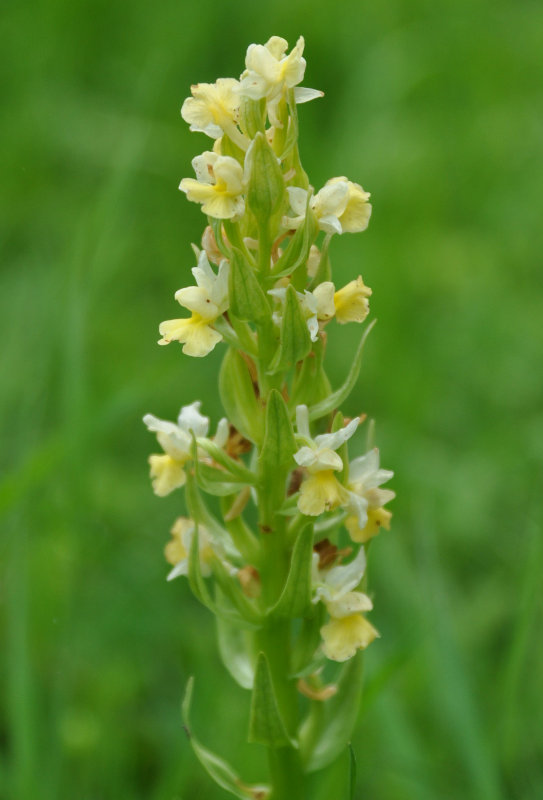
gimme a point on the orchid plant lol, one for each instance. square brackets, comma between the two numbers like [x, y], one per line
[280, 518]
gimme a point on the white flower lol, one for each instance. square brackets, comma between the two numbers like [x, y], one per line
[320, 491]
[207, 301]
[341, 206]
[218, 185]
[270, 72]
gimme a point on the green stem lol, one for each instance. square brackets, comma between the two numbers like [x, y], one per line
[286, 772]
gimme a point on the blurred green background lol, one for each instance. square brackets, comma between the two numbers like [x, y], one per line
[436, 109]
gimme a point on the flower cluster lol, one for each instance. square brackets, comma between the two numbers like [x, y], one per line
[279, 515]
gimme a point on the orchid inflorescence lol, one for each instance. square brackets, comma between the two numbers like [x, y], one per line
[280, 518]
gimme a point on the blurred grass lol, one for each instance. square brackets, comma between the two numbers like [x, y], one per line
[434, 109]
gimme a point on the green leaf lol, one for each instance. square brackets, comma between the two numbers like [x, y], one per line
[265, 725]
[247, 299]
[295, 341]
[336, 398]
[329, 725]
[295, 600]
[236, 648]
[238, 396]
[279, 444]
[218, 769]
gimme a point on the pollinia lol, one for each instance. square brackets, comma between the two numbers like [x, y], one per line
[280, 518]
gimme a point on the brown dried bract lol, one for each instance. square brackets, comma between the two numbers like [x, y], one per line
[329, 553]
[295, 481]
[249, 579]
[237, 444]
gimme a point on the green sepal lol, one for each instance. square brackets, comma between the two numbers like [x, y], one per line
[265, 724]
[236, 648]
[265, 193]
[328, 728]
[238, 396]
[295, 341]
[332, 402]
[217, 768]
[295, 599]
[307, 657]
[337, 780]
[235, 469]
[247, 299]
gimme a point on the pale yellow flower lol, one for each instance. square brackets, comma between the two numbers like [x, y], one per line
[355, 216]
[320, 491]
[365, 495]
[341, 206]
[270, 72]
[341, 638]
[178, 548]
[218, 185]
[167, 470]
[166, 474]
[347, 631]
[207, 301]
[351, 302]
[377, 518]
[213, 109]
